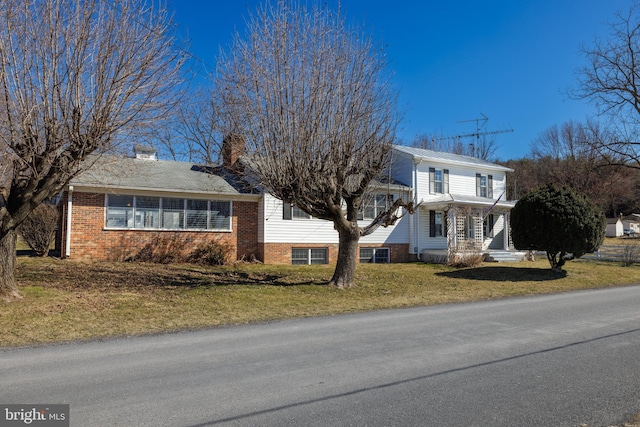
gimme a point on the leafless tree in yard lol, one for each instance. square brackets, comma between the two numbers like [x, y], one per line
[313, 100]
[76, 77]
[483, 147]
[192, 133]
[610, 80]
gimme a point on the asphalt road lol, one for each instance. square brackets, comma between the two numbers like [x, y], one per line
[557, 360]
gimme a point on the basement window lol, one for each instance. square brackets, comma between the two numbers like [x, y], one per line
[302, 256]
[374, 255]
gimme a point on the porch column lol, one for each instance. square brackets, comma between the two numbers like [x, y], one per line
[452, 230]
[507, 232]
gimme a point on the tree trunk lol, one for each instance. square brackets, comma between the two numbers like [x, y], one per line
[557, 261]
[344, 274]
[8, 285]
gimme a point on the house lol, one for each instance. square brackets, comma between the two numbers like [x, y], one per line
[463, 203]
[631, 224]
[615, 227]
[118, 205]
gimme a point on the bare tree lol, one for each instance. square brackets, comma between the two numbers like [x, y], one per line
[483, 147]
[192, 132]
[564, 155]
[314, 102]
[76, 76]
[610, 80]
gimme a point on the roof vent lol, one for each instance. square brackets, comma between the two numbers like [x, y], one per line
[145, 152]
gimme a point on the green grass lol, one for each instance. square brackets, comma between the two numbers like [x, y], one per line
[71, 300]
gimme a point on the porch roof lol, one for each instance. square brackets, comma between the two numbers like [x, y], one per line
[463, 200]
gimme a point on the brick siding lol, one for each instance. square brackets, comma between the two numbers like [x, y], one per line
[280, 253]
[90, 240]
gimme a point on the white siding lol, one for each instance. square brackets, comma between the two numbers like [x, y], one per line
[402, 169]
[279, 230]
[424, 241]
[462, 181]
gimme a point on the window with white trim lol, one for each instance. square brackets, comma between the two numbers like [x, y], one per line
[437, 224]
[120, 211]
[438, 181]
[377, 204]
[484, 185]
[374, 255]
[290, 211]
[147, 212]
[166, 213]
[309, 256]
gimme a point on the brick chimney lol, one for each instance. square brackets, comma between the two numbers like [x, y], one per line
[232, 150]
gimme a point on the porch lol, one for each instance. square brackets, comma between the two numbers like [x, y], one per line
[466, 225]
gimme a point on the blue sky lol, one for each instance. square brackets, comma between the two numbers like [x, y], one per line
[455, 60]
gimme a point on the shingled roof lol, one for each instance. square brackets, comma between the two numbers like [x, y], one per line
[125, 173]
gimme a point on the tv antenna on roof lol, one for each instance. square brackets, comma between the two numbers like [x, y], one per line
[480, 122]
[484, 119]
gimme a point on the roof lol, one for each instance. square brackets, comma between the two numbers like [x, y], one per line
[470, 200]
[125, 173]
[442, 157]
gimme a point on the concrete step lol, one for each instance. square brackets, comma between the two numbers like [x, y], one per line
[502, 256]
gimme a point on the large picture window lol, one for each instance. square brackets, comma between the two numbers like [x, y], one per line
[166, 213]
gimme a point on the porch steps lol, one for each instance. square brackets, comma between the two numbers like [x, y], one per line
[502, 256]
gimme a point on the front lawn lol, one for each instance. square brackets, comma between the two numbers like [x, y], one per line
[70, 300]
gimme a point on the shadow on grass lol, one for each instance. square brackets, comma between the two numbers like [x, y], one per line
[237, 278]
[504, 274]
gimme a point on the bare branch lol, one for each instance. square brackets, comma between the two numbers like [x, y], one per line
[314, 102]
[78, 79]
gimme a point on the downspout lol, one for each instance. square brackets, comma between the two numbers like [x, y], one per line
[416, 216]
[67, 249]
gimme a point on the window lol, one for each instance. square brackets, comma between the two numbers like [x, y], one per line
[147, 212]
[298, 213]
[120, 211]
[374, 255]
[437, 224]
[484, 186]
[197, 211]
[164, 213]
[172, 213]
[438, 181]
[290, 211]
[309, 256]
[377, 204]
[220, 216]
